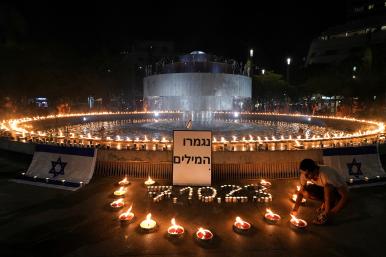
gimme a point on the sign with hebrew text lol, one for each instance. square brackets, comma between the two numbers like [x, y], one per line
[192, 157]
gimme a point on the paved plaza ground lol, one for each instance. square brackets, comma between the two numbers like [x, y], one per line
[37, 221]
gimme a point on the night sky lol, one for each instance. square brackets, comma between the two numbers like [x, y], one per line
[274, 29]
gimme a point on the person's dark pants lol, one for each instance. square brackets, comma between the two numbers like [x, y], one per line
[315, 192]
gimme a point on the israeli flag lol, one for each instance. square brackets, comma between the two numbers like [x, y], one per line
[62, 166]
[355, 163]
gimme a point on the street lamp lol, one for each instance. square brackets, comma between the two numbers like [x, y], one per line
[263, 71]
[251, 53]
[288, 61]
[288, 65]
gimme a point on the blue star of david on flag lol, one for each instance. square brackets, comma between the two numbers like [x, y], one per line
[58, 163]
[357, 171]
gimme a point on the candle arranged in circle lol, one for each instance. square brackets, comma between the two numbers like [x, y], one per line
[175, 230]
[127, 215]
[265, 183]
[121, 191]
[124, 182]
[149, 182]
[299, 223]
[241, 225]
[148, 223]
[117, 203]
[204, 234]
[271, 217]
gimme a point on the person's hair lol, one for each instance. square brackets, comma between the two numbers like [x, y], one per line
[308, 165]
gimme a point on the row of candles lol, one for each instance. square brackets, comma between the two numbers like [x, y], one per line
[240, 225]
[14, 126]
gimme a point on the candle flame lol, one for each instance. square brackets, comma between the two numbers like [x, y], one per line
[124, 180]
[202, 231]
[294, 219]
[120, 200]
[148, 217]
[239, 220]
[268, 210]
[298, 188]
[173, 221]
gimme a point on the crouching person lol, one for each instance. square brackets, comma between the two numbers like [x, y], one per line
[327, 186]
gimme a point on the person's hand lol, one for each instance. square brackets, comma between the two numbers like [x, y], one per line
[328, 214]
[293, 212]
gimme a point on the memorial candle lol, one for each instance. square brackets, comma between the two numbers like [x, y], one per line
[175, 230]
[124, 182]
[121, 191]
[204, 234]
[148, 224]
[271, 217]
[241, 225]
[298, 223]
[118, 203]
[149, 182]
[265, 183]
[127, 216]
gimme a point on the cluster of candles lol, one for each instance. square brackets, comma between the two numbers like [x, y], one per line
[175, 230]
[190, 194]
[159, 192]
[119, 203]
[208, 194]
[206, 199]
[164, 194]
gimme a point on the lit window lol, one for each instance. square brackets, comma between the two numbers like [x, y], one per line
[370, 6]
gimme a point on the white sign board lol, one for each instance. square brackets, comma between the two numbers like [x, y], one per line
[192, 157]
